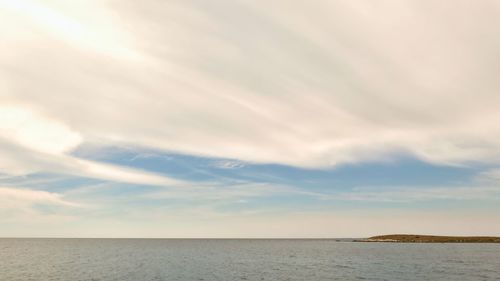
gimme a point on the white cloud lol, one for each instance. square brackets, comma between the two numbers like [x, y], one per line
[69, 22]
[419, 194]
[311, 85]
[119, 174]
[13, 197]
[35, 131]
[214, 194]
[228, 164]
[21, 205]
[31, 142]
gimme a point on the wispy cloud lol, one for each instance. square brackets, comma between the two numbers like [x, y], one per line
[27, 205]
[336, 83]
[14, 196]
[419, 194]
[222, 192]
[228, 164]
[314, 86]
[31, 142]
[483, 187]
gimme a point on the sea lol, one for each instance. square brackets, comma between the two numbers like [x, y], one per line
[242, 259]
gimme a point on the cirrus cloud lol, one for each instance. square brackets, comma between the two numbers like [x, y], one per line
[319, 85]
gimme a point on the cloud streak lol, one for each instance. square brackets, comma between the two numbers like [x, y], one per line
[31, 142]
[420, 194]
[336, 83]
[21, 205]
[314, 86]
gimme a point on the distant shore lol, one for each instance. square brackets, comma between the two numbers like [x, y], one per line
[413, 238]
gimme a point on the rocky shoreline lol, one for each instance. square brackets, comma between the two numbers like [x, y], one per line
[412, 238]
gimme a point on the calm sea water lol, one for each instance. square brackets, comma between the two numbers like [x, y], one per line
[311, 260]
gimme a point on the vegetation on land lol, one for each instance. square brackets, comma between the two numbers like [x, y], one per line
[412, 238]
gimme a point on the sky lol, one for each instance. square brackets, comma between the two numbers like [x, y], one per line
[249, 119]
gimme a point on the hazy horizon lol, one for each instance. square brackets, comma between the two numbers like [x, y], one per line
[253, 119]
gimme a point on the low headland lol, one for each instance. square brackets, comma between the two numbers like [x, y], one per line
[413, 238]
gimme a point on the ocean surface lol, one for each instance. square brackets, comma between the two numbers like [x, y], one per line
[205, 259]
